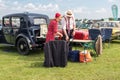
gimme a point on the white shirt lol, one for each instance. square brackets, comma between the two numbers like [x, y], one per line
[65, 22]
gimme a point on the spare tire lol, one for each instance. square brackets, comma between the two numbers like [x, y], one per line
[98, 45]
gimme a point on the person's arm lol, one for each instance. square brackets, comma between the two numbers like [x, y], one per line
[55, 29]
[66, 35]
[60, 34]
[64, 29]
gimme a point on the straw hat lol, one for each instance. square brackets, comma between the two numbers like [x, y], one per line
[69, 13]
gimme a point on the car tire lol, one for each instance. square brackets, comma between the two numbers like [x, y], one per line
[22, 46]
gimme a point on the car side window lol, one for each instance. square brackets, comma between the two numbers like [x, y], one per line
[43, 25]
[38, 21]
[15, 22]
[6, 22]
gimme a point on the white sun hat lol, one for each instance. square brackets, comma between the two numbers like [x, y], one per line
[69, 13]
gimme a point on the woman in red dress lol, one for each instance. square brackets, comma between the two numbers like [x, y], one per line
[53, 28]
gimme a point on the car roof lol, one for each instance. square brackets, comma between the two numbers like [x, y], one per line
[26, 14]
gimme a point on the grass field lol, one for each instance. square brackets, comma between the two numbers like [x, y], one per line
[14, 66]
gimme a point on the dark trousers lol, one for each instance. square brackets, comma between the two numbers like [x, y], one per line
[70, 35]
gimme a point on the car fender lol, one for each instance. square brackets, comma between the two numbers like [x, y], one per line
[23, 36]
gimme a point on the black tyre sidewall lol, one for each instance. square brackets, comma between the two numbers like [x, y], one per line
[20, 41]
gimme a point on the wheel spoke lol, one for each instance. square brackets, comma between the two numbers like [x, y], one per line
[22, 46]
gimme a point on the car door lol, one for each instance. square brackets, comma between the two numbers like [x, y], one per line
[7, 29]
[15, 23]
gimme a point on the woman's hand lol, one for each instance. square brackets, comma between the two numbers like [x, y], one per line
[61, 35]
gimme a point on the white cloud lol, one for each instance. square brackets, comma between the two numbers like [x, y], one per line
[16, 6]
[2, 5]
[30, 6]
[102, 13]
[38, 8]
[81, 10]
[16, 3]
[84, 12]
[49, 7]
[78, 10]
[111, 1]
[102, 10]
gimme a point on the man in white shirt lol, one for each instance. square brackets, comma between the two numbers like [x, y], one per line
[68, 24]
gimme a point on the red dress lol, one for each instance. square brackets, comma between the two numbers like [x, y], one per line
[52, 30]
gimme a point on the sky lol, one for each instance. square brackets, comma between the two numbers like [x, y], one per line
[82, 9]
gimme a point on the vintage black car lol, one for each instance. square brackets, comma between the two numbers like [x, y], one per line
[26, 31]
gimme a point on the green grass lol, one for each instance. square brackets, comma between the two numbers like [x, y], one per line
[14, 66]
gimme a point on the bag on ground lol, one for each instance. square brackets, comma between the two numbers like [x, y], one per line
[73, 55]
[84, 56]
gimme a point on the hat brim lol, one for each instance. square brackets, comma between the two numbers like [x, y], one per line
[69, 15]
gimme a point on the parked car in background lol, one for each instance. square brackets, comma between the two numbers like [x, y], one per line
[83, 24]
[115, 25]
[26, 31]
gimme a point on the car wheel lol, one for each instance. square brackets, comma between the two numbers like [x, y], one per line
[22, 46]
